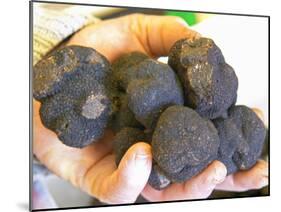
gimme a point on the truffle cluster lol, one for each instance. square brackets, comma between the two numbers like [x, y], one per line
[184, 109]
[188, 135]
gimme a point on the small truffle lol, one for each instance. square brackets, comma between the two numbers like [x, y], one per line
[183, 142]
[70, 84]
[157, 178]
[242, 136]
[210, 84]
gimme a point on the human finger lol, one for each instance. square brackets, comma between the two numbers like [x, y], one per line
[254, 178]
[126, 182]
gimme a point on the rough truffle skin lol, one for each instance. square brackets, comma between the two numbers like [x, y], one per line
[210, 84]
[70, 84]
[149, 86]
[183, 142]
[154, 88]
[242, 136]
[125, 139]
[122, 74]
[52, 73]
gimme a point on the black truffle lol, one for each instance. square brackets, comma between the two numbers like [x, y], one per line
[154, 88]
[122, 72]
[149, 87]
[183, 143]
[70, 84]
[242, 136]
[121, 75]
[210, 84]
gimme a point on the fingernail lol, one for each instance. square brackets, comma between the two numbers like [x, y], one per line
[219, 175]
[141, 159]
[141, 156]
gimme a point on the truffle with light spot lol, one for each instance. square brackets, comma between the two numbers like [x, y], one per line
[210, 84]
[70, 84]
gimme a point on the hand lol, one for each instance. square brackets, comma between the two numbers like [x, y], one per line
[93, 168]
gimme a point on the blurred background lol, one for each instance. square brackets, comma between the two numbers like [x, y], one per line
[244, 43]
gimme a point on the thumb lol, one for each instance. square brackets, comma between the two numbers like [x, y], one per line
[132, 173]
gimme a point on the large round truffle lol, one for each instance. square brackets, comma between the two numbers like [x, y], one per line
[183, 141]
[210, 84]
[242, 136]
[70, 84]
